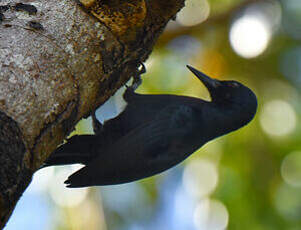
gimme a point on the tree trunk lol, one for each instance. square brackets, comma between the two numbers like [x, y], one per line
[56, 71]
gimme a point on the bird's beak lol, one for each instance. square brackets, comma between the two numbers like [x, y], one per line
[210, 83]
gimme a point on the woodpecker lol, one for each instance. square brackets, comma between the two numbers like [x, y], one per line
[155, 133]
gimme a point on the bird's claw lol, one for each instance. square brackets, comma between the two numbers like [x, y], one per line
[142, 70]
[137, 77]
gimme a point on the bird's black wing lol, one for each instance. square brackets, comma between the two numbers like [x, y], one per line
[140, 109]
[122, 161]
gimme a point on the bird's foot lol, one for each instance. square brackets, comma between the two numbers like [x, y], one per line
[137, 77]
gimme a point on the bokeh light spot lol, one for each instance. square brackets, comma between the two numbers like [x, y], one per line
[270, 11]
[291, 169]
[41, 180]
[278, 118]
[200, 178]
[249, 36]
[66, 197]
[211, 214]
[279, 90]
[194, 12]
[292, 19]
[288, 202]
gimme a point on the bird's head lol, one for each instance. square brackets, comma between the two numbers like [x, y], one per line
[224, 92]
[228, 93]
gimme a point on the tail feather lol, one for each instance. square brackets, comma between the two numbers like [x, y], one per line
[78, 149]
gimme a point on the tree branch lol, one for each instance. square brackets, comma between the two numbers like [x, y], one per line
[56, 73]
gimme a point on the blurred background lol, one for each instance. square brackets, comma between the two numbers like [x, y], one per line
[249, 179]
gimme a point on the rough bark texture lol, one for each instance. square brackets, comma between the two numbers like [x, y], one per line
[50, 78]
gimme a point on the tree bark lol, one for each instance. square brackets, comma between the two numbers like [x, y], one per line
[54, 75]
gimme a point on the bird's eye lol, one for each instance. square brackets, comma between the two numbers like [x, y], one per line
[234, 84]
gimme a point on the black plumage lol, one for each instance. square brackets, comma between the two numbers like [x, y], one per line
[155, 132]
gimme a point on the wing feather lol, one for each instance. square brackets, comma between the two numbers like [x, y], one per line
[135, 148]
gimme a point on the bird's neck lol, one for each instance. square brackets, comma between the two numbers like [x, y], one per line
[226, 119]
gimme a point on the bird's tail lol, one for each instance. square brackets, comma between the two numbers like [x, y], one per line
[78, 149]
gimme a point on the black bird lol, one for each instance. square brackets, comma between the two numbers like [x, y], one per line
[155, 132]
